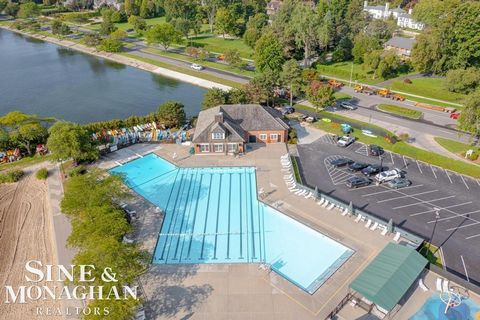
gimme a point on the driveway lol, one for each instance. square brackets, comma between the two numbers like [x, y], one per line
[414, 208]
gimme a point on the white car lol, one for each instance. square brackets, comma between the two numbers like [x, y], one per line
[345, 141]
[197, 67]
[348, 105]
[389, 175]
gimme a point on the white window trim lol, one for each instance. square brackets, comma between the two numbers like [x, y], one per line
[262, 136]
[216, 145]
[232, 144]
[204, 144]
[274, 137]
[214, 136]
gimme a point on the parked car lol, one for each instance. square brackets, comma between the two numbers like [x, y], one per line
[398, 183]
[374, 150]
[357, 166]
[373, 169]
[389, 175]
[348, 105]
[341, 162]
[345, 141]
[358, 181]
[197, 67]
[287, 110]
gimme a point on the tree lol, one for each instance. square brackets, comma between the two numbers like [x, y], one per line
[12, 9]
[320, 95]
[60, 28]
[138, 24]
[68, 140]
[164, 34]
[110, 44]
[343, 51]
[463, 80]
[129, 7]
[382, 30]
[91, 39]
[22, 130]
[254, 29]
[470, 117]
[237, 96]
[107, 27]
[232, 57]
[3, 5]
[363, 44]
[147, 9]
[291, 76]
[183, 26]
[260, 88]
[28, 10]
[214, 97]
[355, 17]
[269, 53]
[118, 35]
[225, 21]
[171, 114]
[210, 8]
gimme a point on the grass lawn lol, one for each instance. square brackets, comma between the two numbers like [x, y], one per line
[342, 96]
[399, 147]
[220, 45]
[125, 25]
[209, 64]
[455, 146]
[24, 162]
[428, 87]
[184, 70]
[401, 111]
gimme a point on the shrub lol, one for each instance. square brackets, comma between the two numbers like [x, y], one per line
[408, 81]
[11, 176]
[403, 136]
[77, 171]
[473, 156]
[292, 136]
[42, 174]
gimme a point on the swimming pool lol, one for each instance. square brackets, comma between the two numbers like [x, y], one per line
[212, 215]
[434, 309]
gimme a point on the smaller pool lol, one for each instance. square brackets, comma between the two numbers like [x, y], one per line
[434, 309]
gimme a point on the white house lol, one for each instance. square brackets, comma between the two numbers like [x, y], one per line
[404, 19]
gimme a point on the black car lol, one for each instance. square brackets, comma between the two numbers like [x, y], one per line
[374, 150]
[357, 166]
[358, 181]
[287, 110]
[373, 169]
[341, 162]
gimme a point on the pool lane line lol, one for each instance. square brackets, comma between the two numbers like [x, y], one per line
[206, 216]
[195, 216]
[173, 215]
[246, 216]
[241, 210]
[185, 236]
[187, 204]
[251, 213]
[165, 215]
[229, 208]
[218, 214]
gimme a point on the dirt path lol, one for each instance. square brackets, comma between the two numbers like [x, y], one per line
[25, 234]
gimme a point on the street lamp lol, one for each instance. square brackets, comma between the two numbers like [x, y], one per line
[437, 215]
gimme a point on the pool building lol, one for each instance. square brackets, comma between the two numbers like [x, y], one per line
[212, 215]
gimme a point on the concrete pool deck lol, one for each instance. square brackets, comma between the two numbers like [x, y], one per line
[243, 291]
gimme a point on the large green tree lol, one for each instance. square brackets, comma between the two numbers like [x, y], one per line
[470, 117]
[320, 95]
[28, 10]
[463, 80]
[3, 5]
[224, 21]
[254, 29]
[71, 141]
[363, 44]
[171, 114]
[214, 97]
[164, 34]
[291, 76]
[269, 53]
[23, 130]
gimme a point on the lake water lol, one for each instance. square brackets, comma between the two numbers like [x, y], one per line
[48, 80]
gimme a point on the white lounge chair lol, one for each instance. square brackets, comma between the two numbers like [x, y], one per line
[326, 203]
[374, 227]
[309, 195]
[294, 190]
[288, 176]
[353, 303]
[320, 202]
[331, 206]
[384, 231]
[345, 212]
[358, 218]
[445, 287]
[369, 222]
[439, 284]
[422, 285]
[397, 237]
[303, 193]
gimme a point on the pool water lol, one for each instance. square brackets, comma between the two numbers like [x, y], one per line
[212, 215]
[434, 309]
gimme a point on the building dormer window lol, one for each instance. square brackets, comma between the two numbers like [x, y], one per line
[218, 135]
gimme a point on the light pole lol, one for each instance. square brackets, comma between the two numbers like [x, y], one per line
[437, 215]
[351, 74]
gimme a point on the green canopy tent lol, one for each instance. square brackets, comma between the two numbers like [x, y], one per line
[389, 276]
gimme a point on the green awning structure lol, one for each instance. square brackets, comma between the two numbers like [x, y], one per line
[389, 276]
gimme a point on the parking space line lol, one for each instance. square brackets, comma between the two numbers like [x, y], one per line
[369, 186]
[433, 171]
[393, 162]
[448, 175]
[464, 226]
[406, 196]
[391, 190]
[478, 182]
[455, 216]
[418, 165]
[466, 185]
[404, 161]
[465, 268]
[474, 236]
[426, 201]
[441, 208]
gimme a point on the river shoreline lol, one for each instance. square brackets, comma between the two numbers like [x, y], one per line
[124, 60]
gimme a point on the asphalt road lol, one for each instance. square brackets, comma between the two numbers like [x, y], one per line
[433, 189]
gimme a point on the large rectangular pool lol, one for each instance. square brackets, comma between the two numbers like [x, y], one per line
[212, 215]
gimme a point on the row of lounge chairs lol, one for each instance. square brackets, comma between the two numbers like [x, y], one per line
[289, 178]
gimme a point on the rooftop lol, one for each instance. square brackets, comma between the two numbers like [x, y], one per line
[400, 42]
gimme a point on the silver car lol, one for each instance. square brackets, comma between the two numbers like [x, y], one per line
[345, 141]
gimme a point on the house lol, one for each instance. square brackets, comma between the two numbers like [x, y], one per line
[226, 129]
[402, 46]
[404, 19]
[273, 6]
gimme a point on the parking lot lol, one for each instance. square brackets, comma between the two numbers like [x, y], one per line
[439, 202]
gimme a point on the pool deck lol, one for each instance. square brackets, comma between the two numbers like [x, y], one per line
[243, 291]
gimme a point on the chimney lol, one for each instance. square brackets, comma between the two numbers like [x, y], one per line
[219, 117]
[365, 4]
[387, 10]
[410, 11]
